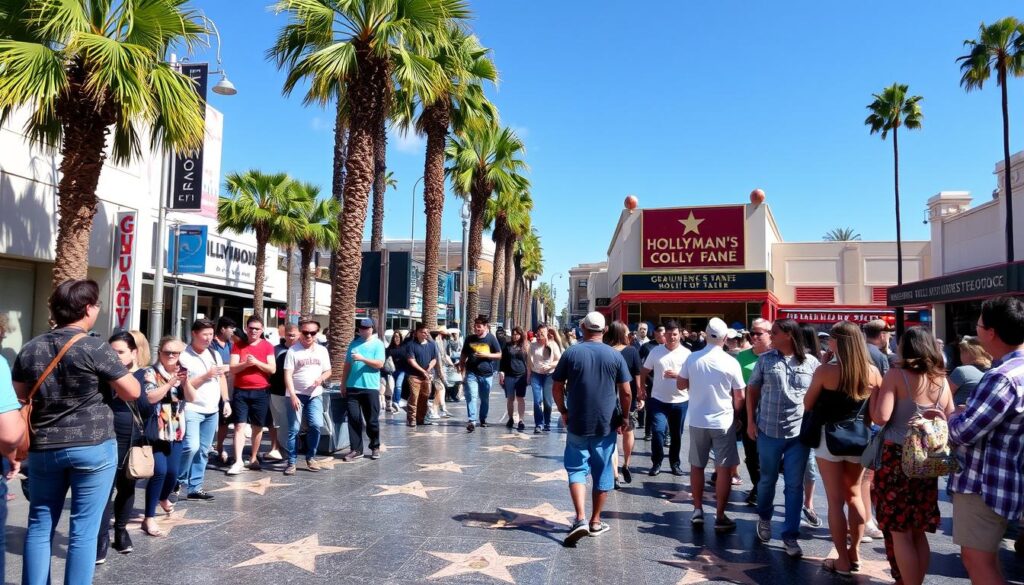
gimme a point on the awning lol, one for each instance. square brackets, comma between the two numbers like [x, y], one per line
[980, 283]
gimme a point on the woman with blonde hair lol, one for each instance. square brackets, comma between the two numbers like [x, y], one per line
[837, 393]
[145, 357]
[976, 361]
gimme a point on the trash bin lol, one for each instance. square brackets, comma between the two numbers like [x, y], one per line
[334, 436]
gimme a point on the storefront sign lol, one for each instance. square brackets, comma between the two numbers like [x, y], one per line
[693, 237]
[974, 284]
[230, 260]
[188, 250]
[695, 281]
[859, 318]
[124, 271]
[187, 187]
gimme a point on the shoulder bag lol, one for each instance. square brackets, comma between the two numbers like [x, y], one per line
[926, 452]
[850, 437]
[21, 453]
[139, 460]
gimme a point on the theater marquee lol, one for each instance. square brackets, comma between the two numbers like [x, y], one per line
[693, 237]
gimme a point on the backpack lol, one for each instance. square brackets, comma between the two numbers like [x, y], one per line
[926, 452]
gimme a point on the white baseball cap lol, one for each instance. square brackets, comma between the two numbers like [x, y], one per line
[717, 329]
[594, 321]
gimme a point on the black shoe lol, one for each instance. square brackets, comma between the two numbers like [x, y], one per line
[617, 485]
[483, 425]
[509, 424]
[201, 495]
[101, 548]
[627, 476]
[122, 542]
[547, 428]
[177, 488]
[752, 498]
[655, 470]
[646, 438]
[724, 524]
[521, 427]
[578, 530]
[677, 471]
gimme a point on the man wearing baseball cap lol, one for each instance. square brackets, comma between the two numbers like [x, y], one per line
[361, 391]
[715, 383]
[593, 379]
[877, 333]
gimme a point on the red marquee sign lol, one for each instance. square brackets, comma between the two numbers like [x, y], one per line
[124, 270]
[693, 237]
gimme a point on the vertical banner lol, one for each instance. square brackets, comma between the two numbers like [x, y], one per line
[187, 245]
[123, 271]
[187, 187]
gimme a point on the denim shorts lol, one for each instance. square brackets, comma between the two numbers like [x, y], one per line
[591, 455]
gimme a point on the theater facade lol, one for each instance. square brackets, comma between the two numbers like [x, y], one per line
[692, 263]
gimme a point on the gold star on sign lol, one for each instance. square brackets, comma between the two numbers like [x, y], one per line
[692, 224]
[519, 436]
[872, 569]
[302, 553]
[484, 560]
[539, 514]
[258, 487]
[172, 521]
[503, 449]
[706, 566]
[414, 488]
[557, 475]
[446, 466]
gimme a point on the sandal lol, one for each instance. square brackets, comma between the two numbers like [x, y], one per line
[830, 566]
[854, 566]
[152, 532]
[168, 506]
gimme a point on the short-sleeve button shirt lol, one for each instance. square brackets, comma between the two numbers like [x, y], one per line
[783, 382]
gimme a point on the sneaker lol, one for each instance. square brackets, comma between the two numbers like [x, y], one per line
[698, 517]
[871, 530]
[255, 465]
[521, 427]
[426, 422]
[200, 495]
[312, 465]
[101, 549]
[510, 424]
[469, 427]
[578, 530]
[350, 457]
[655, 470]
[618, 486]
[724, 524]
[274, 455]
[751, 498]
[645, 438]
[235, 469]
[122, 541]
[599, 529]
[811, 518]
[677, 471]
[764, 531]
[537, 430]
[627, 475]
[403, 403]
[290, 470]
[547, 428]
[445, 414]
[483, 425]
[793, 548]
[374, 454]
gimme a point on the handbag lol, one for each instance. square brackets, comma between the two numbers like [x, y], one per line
[871, 458]
[139, 464]
[810, 430]
[926, 452]
[389, 366]
[21, 453]
[850, 437]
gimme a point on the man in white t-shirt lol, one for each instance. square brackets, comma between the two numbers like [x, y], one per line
[667, 405]
[715, 382]
[207, 387]
[306, 367]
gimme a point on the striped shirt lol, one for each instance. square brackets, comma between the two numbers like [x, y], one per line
[990, 435]
[783, 382]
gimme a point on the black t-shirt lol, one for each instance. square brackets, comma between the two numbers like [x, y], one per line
[423, 353]
[477, 344]
[72, 407]
[513, 360]
[277, 379]
[632, 356]
[591, 371]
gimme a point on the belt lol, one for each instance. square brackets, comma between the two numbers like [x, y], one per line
[263, 389]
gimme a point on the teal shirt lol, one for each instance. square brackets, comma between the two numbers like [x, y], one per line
[8, 399]
[361, 375]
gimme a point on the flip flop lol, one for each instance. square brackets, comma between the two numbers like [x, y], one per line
[830, 566]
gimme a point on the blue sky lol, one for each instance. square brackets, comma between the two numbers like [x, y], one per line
[681, 104]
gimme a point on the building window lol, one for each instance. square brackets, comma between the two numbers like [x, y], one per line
[878, 295]
[583, 305]
[581, 283]
[815, 294]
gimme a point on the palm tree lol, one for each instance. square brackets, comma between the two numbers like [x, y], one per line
[377, 231]
[318, 231]
[267, 205]
[891, 109]
[484, 159]
[841, 234]
[88, 69]
[352, 49]
[528, 264]
[506, 214]
[1000, 47]
[517, 221]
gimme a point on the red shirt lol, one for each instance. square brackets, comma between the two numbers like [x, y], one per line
[252, 378]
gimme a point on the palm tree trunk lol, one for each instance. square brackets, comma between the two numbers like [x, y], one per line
[83, 150]
[262, 237]
[290, 250]
[477, 207]
[436, 120]
[367, 92]
[380, 167]
[340, 156]
[899, 225]
[529, 301]
[1006, 166]
[510, 245]
[498, 275]
[306, 276]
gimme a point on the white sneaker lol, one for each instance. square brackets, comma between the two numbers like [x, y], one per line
[274, 455]
[403, 403]
[445, 414]
[236, 468]
[872, 531]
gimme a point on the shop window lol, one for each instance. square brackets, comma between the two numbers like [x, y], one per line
[815, 294]
[878, 295]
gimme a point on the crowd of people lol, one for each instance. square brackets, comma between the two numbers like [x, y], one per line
[879, 423]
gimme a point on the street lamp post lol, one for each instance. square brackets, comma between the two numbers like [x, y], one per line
[554, 297]
[465, 265]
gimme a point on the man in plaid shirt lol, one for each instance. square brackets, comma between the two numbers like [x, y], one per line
[988, 492]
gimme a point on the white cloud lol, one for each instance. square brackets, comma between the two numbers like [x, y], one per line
[319, 124]
[408, 143]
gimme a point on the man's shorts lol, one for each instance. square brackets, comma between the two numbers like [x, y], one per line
[975, 525]
[226, 420]
[279, 406]
[250, 406]
[591, 455]
[723, 441]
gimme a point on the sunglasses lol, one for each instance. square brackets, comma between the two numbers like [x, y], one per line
[310, 333]
[171, 353]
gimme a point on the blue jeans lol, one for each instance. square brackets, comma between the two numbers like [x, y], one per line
[89, 472]
[399, 380]
[166, 463]
[791, 456]
[199, 432]
[478, 390]
[311, 409]
[3, 514]
[668, 419]
[541, 399]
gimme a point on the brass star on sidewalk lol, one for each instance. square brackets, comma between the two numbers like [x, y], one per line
[557, 475]
[329, 462]
[433, 433]
[302, 553]
[171, 521]
[871, 570]
[386, 448]
[446, 466]
[518, 436]
[258, 487]
[503, 449]
[538, 514]
[414, 488]
[692, 224]
[706, 566]
[484, 560]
